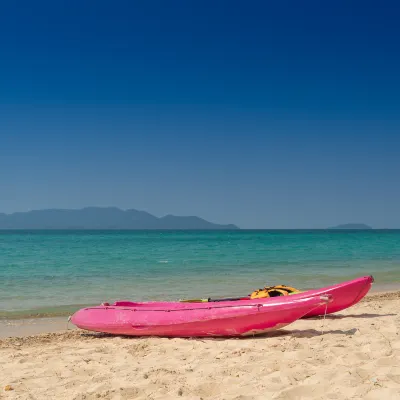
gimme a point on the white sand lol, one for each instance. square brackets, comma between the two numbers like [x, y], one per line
[358, 357]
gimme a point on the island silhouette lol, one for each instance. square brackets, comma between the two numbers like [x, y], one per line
[103, 218]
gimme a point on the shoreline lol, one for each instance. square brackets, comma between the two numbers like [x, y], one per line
[25, 327]
[20, 328]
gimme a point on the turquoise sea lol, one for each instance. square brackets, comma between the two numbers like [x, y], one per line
[55, 272]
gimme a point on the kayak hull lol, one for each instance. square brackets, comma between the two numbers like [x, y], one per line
[344, 294]
[175, 319]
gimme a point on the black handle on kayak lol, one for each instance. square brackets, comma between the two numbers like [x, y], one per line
[227, 299]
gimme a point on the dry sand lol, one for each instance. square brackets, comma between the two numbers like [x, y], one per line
[357, 357]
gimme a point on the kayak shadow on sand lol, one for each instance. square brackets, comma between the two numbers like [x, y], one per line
[308, 333]
[300, 334]
[341, 316]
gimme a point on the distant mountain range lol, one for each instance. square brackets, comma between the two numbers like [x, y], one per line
[102, 218]
[352, 226]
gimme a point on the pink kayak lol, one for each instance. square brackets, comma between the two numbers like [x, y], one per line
[175, 319]
[345, 295]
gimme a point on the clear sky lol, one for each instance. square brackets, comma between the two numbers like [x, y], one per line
[281, 114]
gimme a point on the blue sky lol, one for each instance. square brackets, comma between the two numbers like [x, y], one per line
[264, 114]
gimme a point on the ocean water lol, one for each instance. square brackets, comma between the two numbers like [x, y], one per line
[56, 272]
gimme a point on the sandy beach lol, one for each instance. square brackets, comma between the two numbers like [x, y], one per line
[356, 357]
